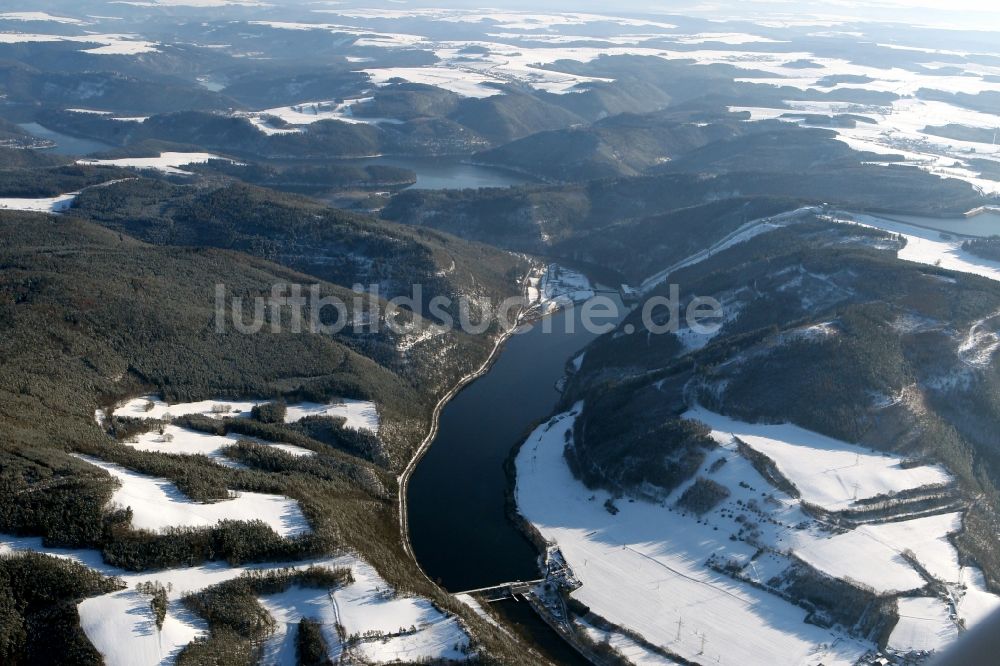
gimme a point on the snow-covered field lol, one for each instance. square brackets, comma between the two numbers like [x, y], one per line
[358, 414]
[122, 627]
[645, 567]
[288, 608]
[307, 113]
[111, 116]
[111, 44]
[923, 624]
[926, 246]
[42, 205]
[166, 162]
[412, 628]
[828, 472]
[898, 129]
[625, 645]
[847, 554]
[184, 441]
[381, 625]
[157, 504]
[39, 17]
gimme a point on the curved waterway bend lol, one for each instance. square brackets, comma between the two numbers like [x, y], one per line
[458, 524]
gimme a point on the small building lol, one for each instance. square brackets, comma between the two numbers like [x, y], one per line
[628, 294]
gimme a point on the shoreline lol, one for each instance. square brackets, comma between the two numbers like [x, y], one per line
[403, 479]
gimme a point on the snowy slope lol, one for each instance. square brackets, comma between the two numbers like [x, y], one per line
[165, 162]
[646, 567]
[122, 626]
[43, 205]
[411, 628]
[288, 608]
[359, 414]
[923, 625]
[827, 472]
[184, 441]
[157, 504]
[643, 569]
[926, 246]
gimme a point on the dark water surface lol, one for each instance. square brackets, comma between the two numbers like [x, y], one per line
[65, 144]
[984, 224]
[440, 173]
[458, 525]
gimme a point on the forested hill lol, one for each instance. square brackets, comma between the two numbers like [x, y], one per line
[824, 328]
[89, 316]
[629, 224]
[337, 246]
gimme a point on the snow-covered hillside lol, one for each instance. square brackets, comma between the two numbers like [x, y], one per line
[123, 629]
[157, 504]
[720, 585]
[358, 414]
[168, 162]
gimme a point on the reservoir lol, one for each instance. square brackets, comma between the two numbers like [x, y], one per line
[459, 528]
[984, 224]
[450, 172]
[65, 144]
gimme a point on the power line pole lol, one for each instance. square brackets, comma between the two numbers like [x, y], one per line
[680, 623]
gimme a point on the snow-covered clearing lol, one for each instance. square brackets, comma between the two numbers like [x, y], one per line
[557, 287]
[898, 129]
[288, 608]
[358, 414]
[122, 627]
[980, 344]
[645, 568]
[924, 624]
[307, 113]
[157, 504]
[111, 116]
[166, 162]
[39, 16]
[56, 204]
[184, 441]
[42, 205]
[411, 628]
[828, 472]
[927, 246]
[462, 82]
[977, 603]
[112, 44]
[706, 329]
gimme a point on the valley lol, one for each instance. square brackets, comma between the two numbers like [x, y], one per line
[356, 334]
